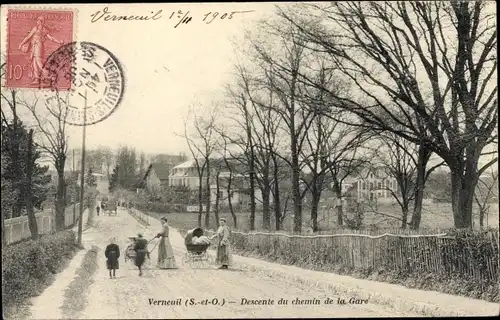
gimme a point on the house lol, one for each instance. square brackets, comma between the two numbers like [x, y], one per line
[239, 196]
[156, 176]
[185, 174]
[372, 184]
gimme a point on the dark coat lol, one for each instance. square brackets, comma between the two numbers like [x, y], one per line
[141, 248]
[112, 254]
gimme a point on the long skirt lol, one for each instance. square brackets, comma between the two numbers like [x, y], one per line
[224, 256]
[112, 262]
[166, 258]
[140, 257]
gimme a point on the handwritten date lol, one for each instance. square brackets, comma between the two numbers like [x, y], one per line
[180, 16]
[208, 18]
[211, 16]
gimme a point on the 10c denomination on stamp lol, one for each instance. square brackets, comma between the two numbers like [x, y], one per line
[96, 77]
[32, 35]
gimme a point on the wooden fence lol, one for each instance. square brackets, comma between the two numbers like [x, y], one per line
[439, 254]
[140, 216]
[17, 229]
[422, 252]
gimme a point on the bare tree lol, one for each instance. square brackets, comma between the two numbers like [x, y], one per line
[201, 145]
[50, 121]
[434, 61]
[248, 145]
[331, 146]
[219, 166]
[285, 67]
[224, 141]
[485, 194]
[260, 123]
[397, 161]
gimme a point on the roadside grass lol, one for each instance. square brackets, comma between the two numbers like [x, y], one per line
[75, 295]
[435, 217]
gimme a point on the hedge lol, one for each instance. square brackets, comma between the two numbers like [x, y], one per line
[29, 266]
[159, 207]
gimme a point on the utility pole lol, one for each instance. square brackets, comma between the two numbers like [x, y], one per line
[82, 172]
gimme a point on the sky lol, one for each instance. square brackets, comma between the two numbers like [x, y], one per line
[166, 68]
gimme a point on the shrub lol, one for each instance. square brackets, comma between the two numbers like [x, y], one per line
[159, 207]
[28, 266]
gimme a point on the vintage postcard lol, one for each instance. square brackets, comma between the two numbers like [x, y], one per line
[249, 160]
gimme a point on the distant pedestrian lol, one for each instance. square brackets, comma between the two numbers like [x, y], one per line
[112, 254]
[141, 250]
[97, 209]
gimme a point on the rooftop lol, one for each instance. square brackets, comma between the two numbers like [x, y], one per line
[162, 170]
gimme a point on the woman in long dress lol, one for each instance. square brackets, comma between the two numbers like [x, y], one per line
[166, 258]
[223, 234]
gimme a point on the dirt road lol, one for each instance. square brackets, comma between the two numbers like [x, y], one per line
[131, 296]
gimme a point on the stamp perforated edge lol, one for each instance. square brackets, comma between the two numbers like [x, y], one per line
[5, 14]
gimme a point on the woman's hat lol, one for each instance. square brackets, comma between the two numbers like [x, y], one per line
[222, 219]
[139, 235]
[164, 218]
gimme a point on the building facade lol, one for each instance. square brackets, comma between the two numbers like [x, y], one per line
[156, 177]
[185, 174]
[371, 185]
[239, 191]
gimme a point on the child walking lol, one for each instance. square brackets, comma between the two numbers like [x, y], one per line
[112, 254]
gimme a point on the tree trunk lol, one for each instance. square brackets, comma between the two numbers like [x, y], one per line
[200, 200]
[252, 196]
[230, 199]
[251, 166]
[462, 192]
[404, 220]
[297, 199]
[216, 210]
[423, 158]
[59, 203]
[340, 209]
[29, 189]
[481, 217]
[266, 199]
[276, 195]
[277, 210]
[315, 197]
[208, 196]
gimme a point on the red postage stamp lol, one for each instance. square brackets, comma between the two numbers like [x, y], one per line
[32, 36]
